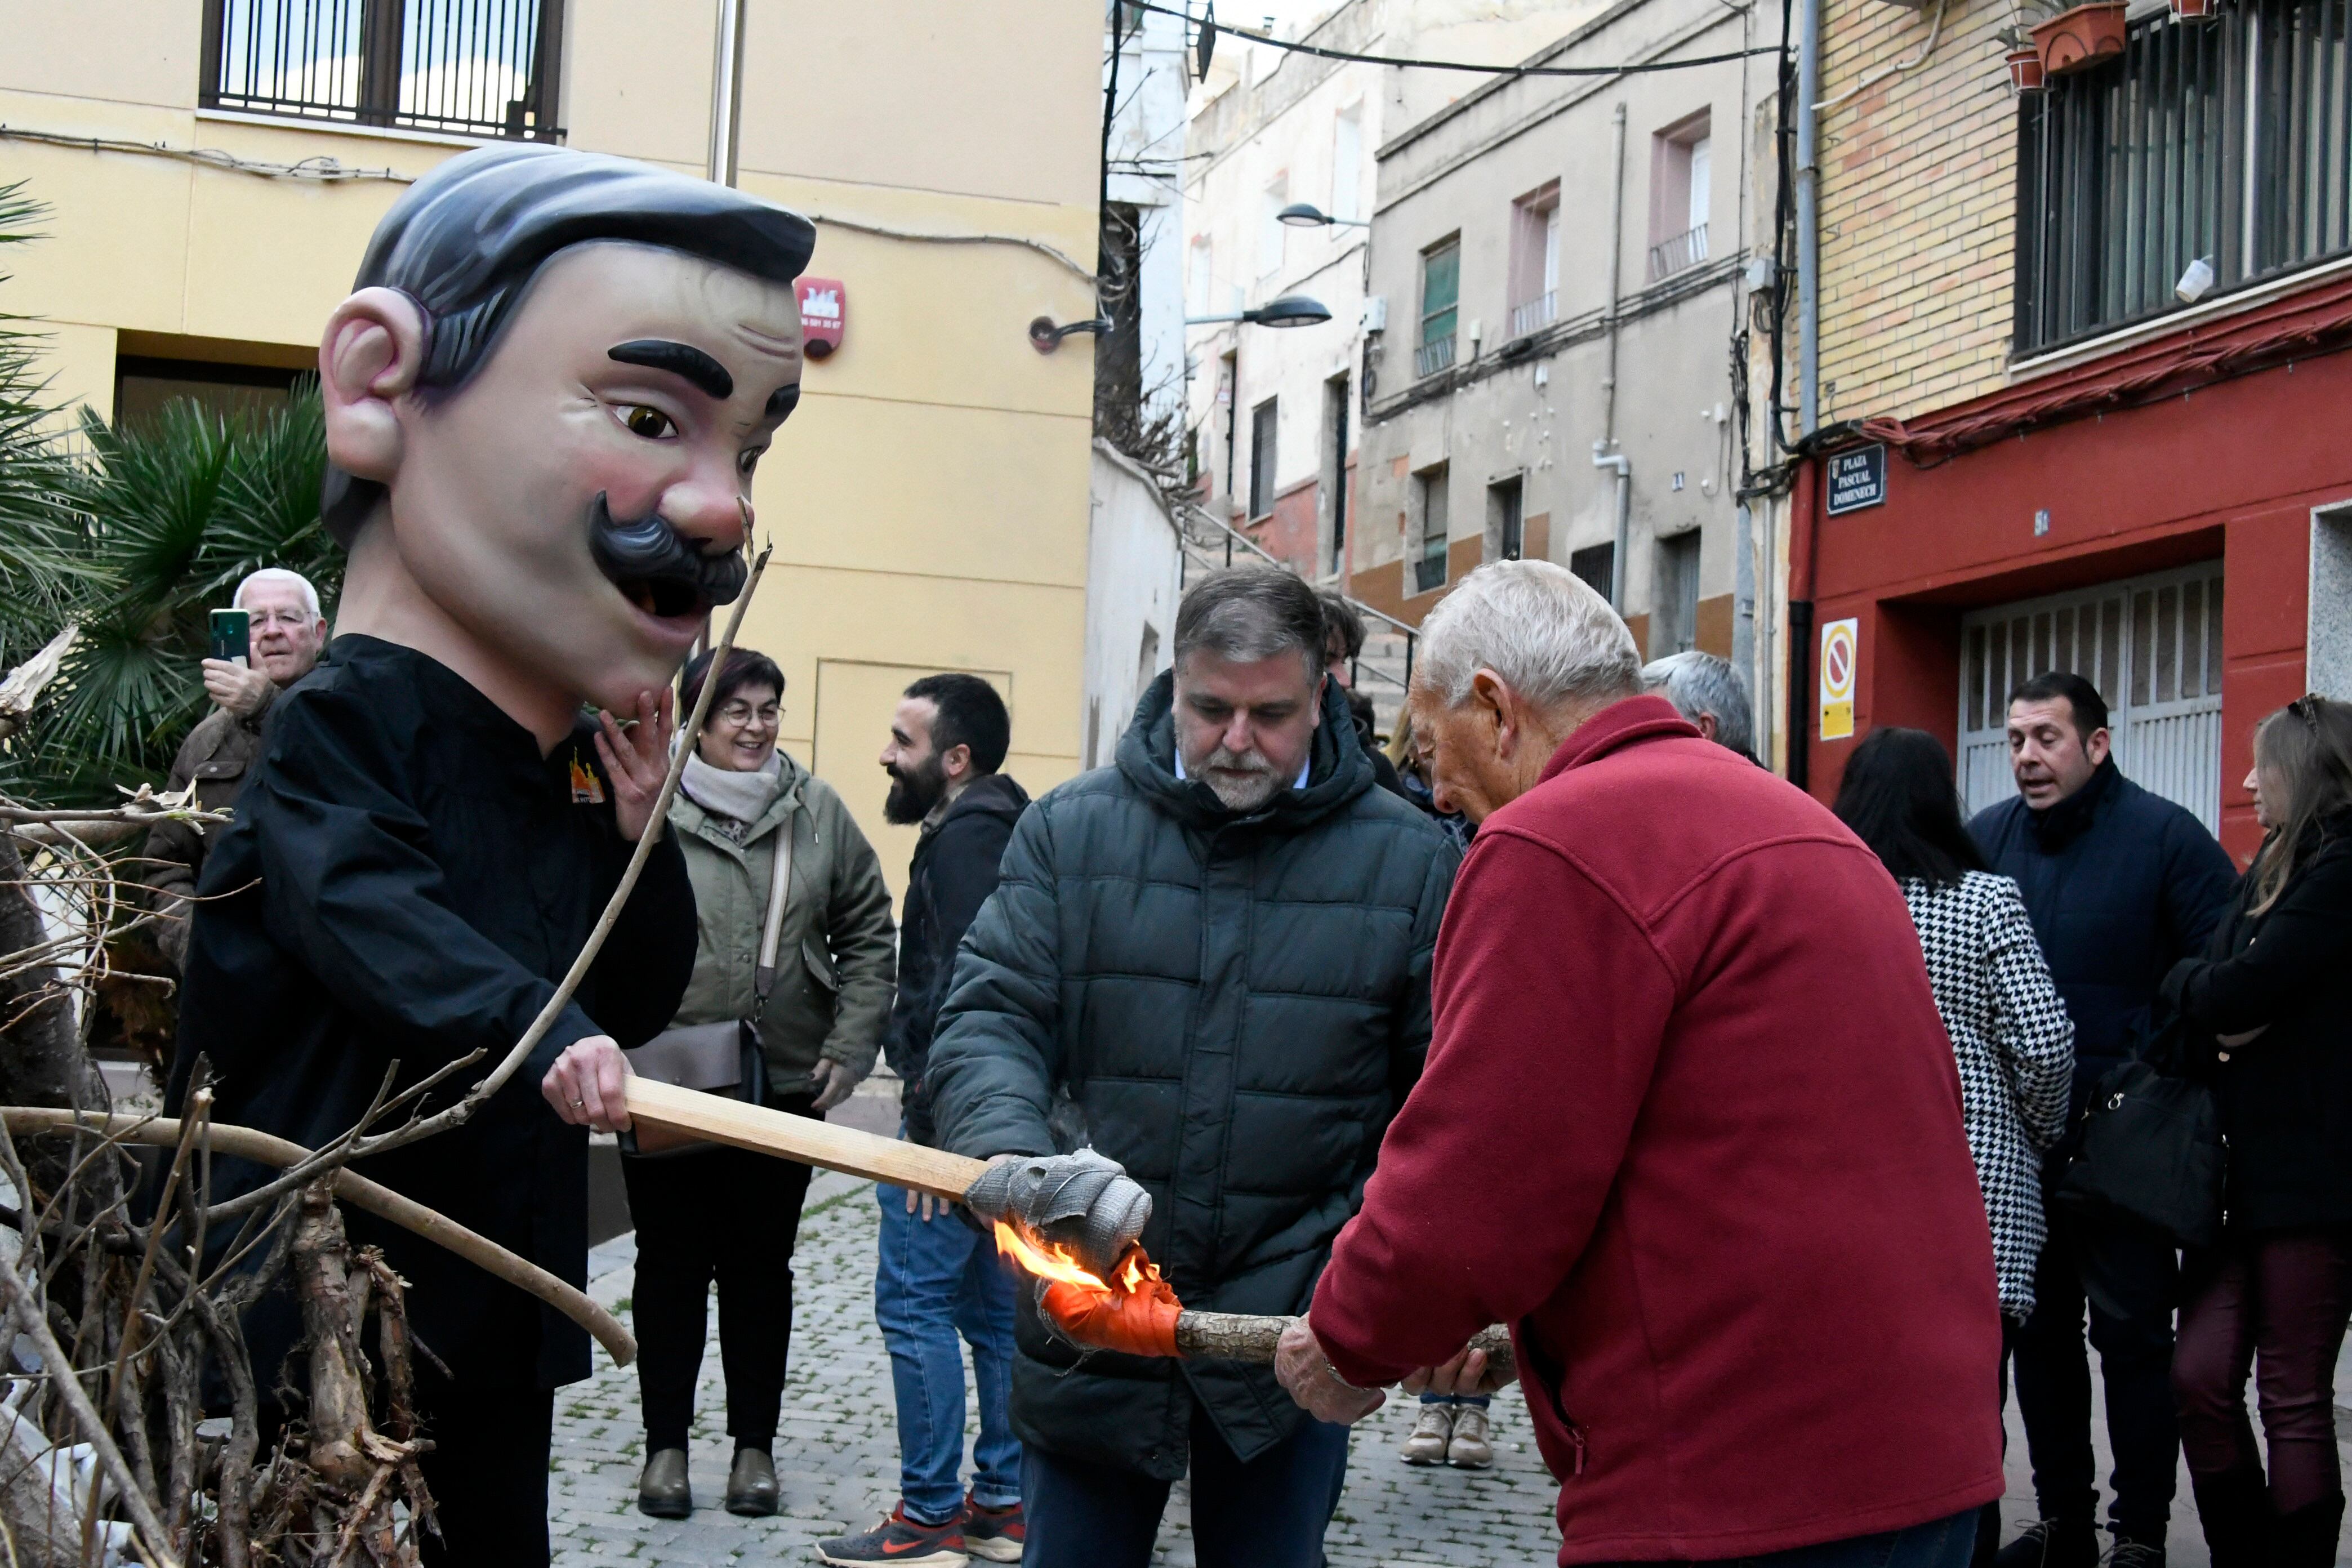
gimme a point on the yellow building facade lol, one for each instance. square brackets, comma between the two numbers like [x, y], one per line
[928, 502]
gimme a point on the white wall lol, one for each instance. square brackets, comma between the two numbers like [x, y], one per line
[1134, 559]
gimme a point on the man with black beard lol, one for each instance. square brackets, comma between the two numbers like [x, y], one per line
[937, 1275]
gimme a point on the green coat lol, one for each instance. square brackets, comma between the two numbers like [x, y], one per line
[836, 962]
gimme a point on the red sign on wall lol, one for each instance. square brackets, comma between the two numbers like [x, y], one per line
[824, 313]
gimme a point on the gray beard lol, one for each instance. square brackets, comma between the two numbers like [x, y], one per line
[1244, 793]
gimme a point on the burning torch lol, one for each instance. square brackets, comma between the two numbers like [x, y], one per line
[1072, 1222]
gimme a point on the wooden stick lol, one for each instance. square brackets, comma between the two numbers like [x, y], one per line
[248, 1143]
[1241, 1336]
[802, 1138]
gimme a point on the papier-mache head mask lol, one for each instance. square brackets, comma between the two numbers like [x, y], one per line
[545, 399]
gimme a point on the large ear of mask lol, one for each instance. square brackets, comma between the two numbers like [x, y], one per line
[464, 242]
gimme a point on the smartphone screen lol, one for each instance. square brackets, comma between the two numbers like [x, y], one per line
[232, 637]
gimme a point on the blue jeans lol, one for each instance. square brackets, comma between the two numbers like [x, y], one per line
[937, 1278]
[1268, 1513]
[1942, 1543]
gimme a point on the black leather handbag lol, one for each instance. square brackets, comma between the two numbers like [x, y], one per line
[2153, 1156]
[723, 1059]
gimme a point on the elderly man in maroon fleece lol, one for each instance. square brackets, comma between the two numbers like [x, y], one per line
[1689, 1124]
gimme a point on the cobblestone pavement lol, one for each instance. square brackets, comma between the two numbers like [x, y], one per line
[837, 1459]
[837, 1454]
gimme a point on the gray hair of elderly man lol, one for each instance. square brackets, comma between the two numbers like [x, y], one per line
[1697, 683]
[283, 577]
[1539, 627]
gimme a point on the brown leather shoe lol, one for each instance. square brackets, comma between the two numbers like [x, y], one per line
[662, 1492]
[752, 1484]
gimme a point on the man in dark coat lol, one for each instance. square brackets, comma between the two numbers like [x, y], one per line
[936, 1277]
[288, 634]
[2121, 884]
[540, 339]
[1212, 962]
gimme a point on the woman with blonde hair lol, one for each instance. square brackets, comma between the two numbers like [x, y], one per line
[2266, 1011]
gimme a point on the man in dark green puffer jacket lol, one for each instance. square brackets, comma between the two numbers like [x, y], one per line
[1211, 962]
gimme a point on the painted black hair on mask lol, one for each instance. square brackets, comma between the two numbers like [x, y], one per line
[648, 552]
[465, 241]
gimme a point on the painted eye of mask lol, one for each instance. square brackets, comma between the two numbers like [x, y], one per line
[650, 423]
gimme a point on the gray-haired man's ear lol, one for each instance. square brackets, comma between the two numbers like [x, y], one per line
[369, 358]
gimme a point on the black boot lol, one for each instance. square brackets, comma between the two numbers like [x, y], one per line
[2052, 1543]
[2306, 1537]
[2235, 1509]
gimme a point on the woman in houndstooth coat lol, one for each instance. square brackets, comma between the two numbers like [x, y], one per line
[2010, 1034]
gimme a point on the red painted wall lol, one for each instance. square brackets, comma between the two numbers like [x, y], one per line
[2230, 470]
[1288, 532]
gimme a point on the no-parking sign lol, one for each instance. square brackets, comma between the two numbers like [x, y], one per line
[1841, 647]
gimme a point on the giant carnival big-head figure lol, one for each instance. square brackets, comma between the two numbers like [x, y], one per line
[544, 401]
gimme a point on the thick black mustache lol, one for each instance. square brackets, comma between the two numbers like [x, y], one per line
[650, 550]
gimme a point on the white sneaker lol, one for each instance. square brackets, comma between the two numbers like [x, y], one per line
[1469, 1449]
[1431, 1435]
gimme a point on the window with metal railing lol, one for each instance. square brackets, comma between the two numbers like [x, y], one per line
[2224, 143]
[1677, 254]
[1441, 295]
[475, 67]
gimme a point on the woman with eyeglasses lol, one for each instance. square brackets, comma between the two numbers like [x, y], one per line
[2267, 1008]
[727, 1213]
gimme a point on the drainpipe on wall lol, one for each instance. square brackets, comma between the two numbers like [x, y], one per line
[1602, 455]
[726, 93]
[1809, 292]
[1603, 458]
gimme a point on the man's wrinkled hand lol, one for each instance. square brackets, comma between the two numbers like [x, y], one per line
[832, 1081]
[636, 759]
[1468, 1373]
[586, 1085]
[242, 691]
[1305, 1375]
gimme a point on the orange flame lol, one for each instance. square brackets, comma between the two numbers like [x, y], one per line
[1050, 1260]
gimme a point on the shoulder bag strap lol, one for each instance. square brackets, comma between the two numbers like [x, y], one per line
[763, 979]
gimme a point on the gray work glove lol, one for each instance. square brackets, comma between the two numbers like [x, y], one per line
[1086, 1202]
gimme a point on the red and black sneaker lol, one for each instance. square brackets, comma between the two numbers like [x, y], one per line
[898, 1539]
[996, 1533]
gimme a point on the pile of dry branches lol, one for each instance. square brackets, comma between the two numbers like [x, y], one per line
[133, 1422]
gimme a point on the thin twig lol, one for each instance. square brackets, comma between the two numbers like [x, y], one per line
[35, 1323]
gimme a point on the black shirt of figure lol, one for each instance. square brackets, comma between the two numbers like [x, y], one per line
[406, 880]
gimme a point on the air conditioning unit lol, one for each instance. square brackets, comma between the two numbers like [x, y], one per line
[1376, 313]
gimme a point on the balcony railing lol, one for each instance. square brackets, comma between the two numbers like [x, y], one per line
[1433, 355]
[1684, 252]
[2224, 143]
[475, 67]
[1534, 316]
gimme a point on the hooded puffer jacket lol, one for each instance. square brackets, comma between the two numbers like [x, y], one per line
[1233, 1007]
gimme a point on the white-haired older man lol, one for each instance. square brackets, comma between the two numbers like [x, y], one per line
[288, 634]
[1733, 1223]
[1710, 692]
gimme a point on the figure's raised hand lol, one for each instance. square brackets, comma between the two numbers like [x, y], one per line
[636, 758]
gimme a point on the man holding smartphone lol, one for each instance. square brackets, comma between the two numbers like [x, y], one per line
[283, 632]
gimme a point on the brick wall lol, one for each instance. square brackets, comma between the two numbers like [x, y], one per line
[1917, 208]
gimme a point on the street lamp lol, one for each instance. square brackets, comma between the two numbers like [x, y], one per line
[1291, 311]
[1306, 214]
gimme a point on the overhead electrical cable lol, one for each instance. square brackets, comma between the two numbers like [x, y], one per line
[1210, 24]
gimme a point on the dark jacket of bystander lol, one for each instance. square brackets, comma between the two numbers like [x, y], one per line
[2286, 1094]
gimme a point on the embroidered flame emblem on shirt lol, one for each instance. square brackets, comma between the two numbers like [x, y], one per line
[587, 789]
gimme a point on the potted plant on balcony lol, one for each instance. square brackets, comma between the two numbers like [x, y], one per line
[2080, 37]
[2195, 10]
[2022, 60]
